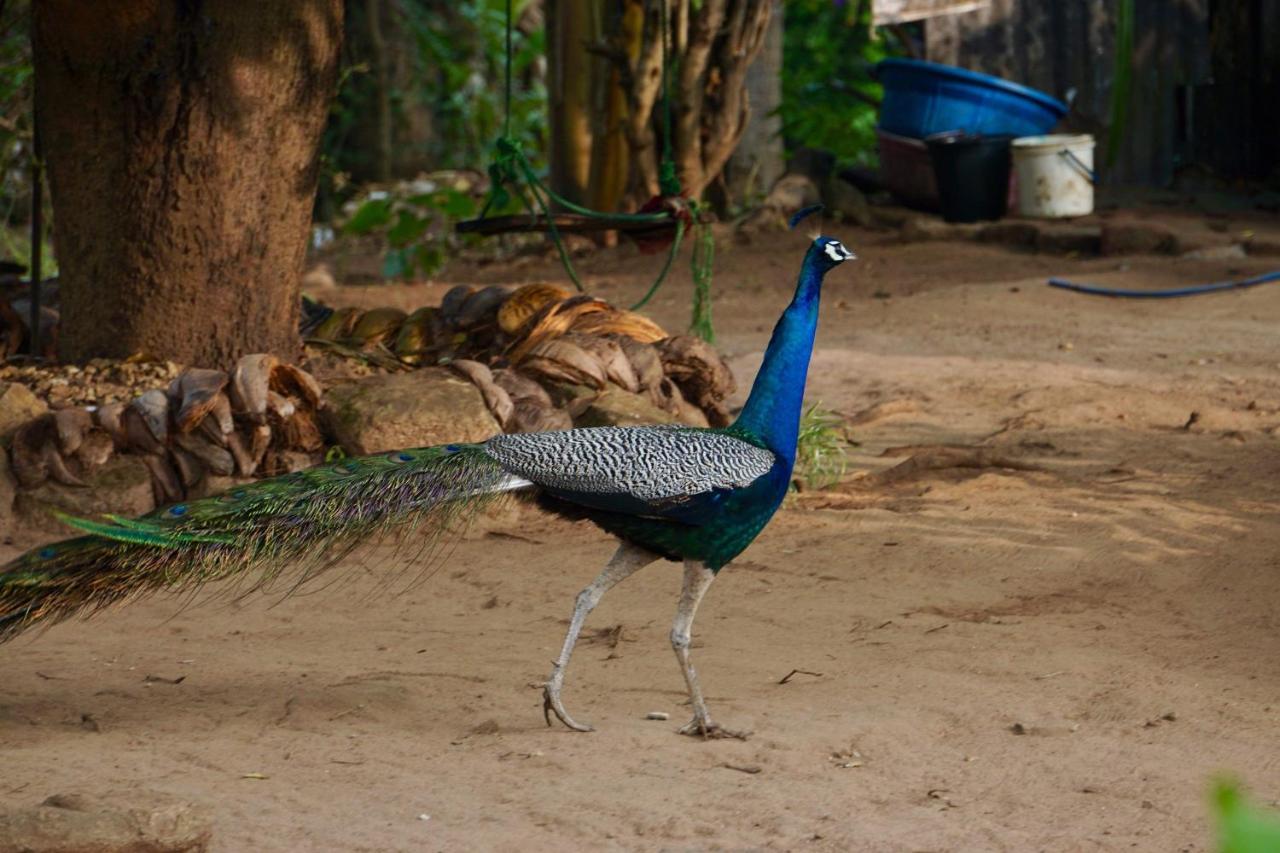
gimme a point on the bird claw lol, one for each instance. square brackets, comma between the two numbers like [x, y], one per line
[707, 730]
[551, 704]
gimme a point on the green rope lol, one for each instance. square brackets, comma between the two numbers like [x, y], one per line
[510, 168]
[704, 253]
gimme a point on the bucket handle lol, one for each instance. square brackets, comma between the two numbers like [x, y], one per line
[1079, 165]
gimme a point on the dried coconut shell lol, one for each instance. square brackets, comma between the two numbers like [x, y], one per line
[377, 325]
[525, 302]
[481, 307]
[338, 325]
[645, 362]
[95, 450]
[418, 334]
[451, 304]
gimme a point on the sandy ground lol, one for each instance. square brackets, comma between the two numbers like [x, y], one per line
[1048, 632]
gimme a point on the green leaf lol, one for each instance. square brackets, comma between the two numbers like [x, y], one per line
[409, 228]
[1243, 828]
[372, 214]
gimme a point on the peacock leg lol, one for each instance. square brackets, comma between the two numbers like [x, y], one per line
[697, 579]
[626, 561]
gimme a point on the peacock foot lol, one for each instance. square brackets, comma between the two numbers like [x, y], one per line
[551, 704]
[703, 727]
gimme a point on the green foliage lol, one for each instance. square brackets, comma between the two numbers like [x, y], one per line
[1122, 79]
[828, 96]
[820, 450]
[417, 226]
[16, 73]
[1243, 828]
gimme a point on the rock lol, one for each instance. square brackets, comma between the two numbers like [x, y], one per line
[847, 201]
[1010, 234]
[417, 409]
[132, 823]
[8, 491]
[920, 228]
[1136, 238]
[791, 193]
[1065, 239]
[17, 406]
[122, 486]
[1228, 252]
[615, 407]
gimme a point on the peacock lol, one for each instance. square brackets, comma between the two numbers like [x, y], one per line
[666, 492]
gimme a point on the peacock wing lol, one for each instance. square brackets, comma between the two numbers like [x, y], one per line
[664, 471]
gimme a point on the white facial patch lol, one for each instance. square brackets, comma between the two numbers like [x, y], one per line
[837, 252]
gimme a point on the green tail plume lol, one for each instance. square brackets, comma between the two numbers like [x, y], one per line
[303, 520]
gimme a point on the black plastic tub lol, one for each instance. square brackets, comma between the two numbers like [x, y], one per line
[972, 173]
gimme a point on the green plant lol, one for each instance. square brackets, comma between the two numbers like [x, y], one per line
[829, 99]
[417, 225]
[1243, 828]
[820, 451]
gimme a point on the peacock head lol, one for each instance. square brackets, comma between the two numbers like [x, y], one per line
[828, 252]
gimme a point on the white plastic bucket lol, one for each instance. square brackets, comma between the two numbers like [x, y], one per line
[1055, 175]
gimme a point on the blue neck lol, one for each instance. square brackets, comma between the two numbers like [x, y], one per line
[772, 412]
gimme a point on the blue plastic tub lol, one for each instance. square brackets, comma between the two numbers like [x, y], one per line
[924, 98]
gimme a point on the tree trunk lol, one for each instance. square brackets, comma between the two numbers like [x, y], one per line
[760, 158]
[182, 147]
[569, 28]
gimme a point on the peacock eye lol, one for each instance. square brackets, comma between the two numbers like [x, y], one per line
[47, 553]
[401, 457]
[178, 511]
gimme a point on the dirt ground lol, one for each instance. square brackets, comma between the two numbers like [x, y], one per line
[1048, 632]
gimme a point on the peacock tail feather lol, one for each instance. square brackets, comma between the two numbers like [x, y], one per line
[301, 523]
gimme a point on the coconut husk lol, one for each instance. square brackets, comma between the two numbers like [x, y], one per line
[146, 421]
[95, 449]
[617, 366]
[197, 393]
[558, 360]
[495, 397]
[109, 419]
[294, 382]
[298, 432]
[552, 321]
[646, 363]
[189, 469]
[701, 374]
[376, 326]
[529, 416]
[72, 426]
[250, 384]
[526, 301]
[521, 387]
[34, 455]
[628, 324]
[280, 406]
[338, 325]
[213, 457]
[166, 485]
[220, 415]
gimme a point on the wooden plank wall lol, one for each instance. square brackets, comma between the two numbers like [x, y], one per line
[1067, 49]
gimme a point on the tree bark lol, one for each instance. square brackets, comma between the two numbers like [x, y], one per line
[569, 68]
[182, 147]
